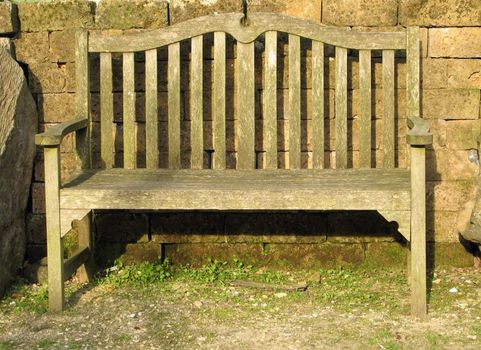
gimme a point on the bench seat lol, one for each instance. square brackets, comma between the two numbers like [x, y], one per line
[341, 189]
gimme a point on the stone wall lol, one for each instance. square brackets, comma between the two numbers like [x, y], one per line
[451, 81]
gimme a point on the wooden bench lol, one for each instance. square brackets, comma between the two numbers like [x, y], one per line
[341, 174]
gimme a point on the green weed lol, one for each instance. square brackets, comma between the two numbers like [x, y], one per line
[143, 274]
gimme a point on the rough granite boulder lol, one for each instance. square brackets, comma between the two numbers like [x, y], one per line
[18, 124]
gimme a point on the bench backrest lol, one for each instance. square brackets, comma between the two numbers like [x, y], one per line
[219, 104]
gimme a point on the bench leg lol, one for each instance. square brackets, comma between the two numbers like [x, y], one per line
[418, 232]
[85, 239]
[54, 239]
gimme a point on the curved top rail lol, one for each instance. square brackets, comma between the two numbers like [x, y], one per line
[259, 23]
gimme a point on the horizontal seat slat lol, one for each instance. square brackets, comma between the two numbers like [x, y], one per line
[302, 189]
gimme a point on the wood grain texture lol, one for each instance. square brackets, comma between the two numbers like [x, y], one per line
[174, 106]
[218, 114]
[129, 124]
[259, 23]
[245, 106]
[196, 113]
[82, 97]
[418, 232]
[413, 72]
[303, 189]
[365, 108]
[151, 110]
[55, 134]
[317, 105]
[106, 111]
[341, 107]
[294, 102]
[388, 125]
[270, 101]
[56, 294]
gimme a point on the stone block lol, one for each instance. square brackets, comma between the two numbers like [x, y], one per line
[36, 229]
[8, 18]
[38, 198]
[198, 254]
[192, 227]
[56, 108]
[449, 195]
[464, 74]
[122, 227]
[451, 104]
[440, 13]
[325, 255]
[441, 226]
[434, 73]
[371, 13]
[55, 15]
[306, 9]
[455, 42]
[32, 47]
[449, 254]
[62, 46]
[127, 253]
[47, 77]
[450, 165]
[276, 227]
[438, 129]
[462, 134]
[386, 255]
[120, 14]
[360, 226]
[6, 44]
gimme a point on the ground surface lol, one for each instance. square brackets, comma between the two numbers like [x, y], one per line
[157, 307]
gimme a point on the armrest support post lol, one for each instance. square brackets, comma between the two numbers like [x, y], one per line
[54, 239]
[418, 231]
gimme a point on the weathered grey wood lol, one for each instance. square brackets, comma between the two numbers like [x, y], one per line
[388, 126]
[75, 262]
[218, 114]
[270, 101]
[418, 231]
[106, 111]
[402, 218]
[294, 101]
[151, 106]
[259, 23]
[317, 105]
[245, 106]
[82, 97]
[341, 107]
[129, 124]
[365, 101]
[412, 73]
[419, 133]
[68, 217]
[196, 131]
[174, 106]
[86, 269]
[302, 189]
[55, 134]
[56, 293]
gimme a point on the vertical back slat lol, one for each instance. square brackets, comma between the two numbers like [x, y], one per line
[341, 107]
[317, 105]
[388, 106]
[129, 125]
[106, 111]
[219, 100]
[365, 104]
[245, 106]
[294, 101]
[82, 96]
[412, 74]
[151, 106]
[270, 101]
[196, 130]
[174, 105]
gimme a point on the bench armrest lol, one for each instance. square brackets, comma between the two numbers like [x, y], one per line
[419, 133]
[54, 135]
